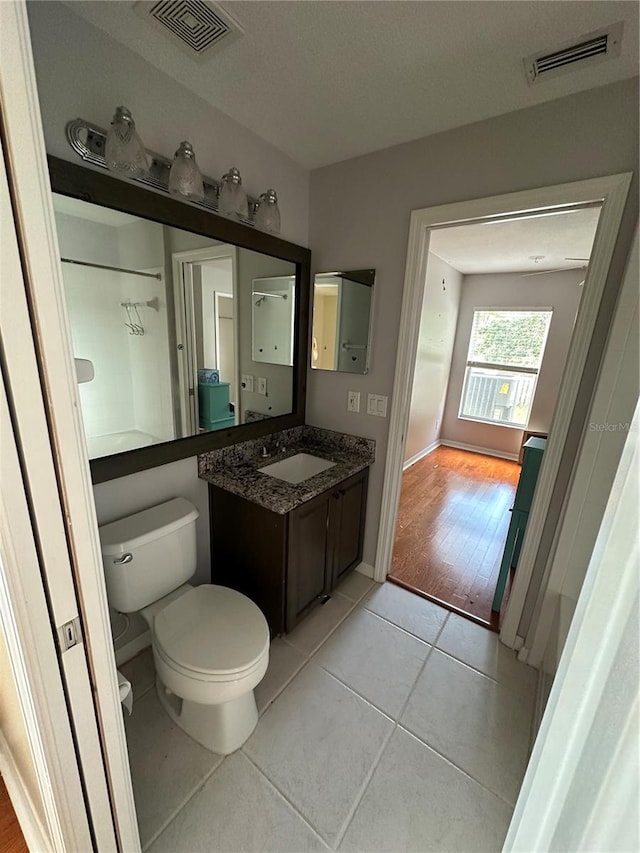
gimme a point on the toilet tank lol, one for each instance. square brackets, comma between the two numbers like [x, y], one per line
[149, 554]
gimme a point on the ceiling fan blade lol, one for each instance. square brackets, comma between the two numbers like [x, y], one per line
[547, 272]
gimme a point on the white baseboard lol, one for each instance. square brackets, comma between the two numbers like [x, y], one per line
[486, 451]
[34, 833]
[132, 648]
[366, 570]
[421, 454]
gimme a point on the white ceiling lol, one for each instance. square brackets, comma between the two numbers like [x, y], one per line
[325, 81]
[509, 246]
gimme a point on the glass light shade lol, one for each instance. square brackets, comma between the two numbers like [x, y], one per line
[233, 199]
[123, 149]
[268, 214]
[185, 177]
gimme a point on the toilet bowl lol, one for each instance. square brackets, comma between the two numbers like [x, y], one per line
[210, 649]
[210, 643]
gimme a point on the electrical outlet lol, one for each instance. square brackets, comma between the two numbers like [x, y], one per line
[377, 405]
[262, 386]
[353, 401]
[247, 382]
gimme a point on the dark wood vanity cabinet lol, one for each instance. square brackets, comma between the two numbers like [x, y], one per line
[288, 563]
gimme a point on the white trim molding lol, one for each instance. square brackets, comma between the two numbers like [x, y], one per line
[591, 720]
[366, 570]
[612, 192]
[421, 454]
[32, 829]
[486, 451]
[59, 481]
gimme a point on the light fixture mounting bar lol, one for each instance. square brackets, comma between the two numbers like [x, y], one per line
[88, 141]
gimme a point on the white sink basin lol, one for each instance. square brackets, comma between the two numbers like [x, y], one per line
[297, 468]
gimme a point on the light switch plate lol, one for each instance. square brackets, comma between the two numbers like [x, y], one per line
[377, 405]
[353, 401]
[247, 382]
[262, 386]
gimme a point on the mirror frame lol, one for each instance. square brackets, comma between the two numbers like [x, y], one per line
[103, 189]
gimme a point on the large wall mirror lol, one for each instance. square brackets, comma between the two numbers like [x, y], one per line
[188, 330]
[342, 306]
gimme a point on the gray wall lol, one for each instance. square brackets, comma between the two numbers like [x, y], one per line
[360, 212]
[81, 71]
[559, 291]
[438, 323]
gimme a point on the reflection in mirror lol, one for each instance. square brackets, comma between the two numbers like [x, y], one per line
[273, 319]
[342, 304]
[161, 327]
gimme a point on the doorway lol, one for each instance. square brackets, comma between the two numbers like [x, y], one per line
[562, 444]
[207, 331]
[499, 307]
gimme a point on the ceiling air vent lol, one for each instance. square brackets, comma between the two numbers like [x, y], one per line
[196, 26]
[588, 50]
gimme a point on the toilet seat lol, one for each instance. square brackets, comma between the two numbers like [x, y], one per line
[212, 633]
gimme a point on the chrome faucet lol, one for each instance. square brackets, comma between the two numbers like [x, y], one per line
[276, 447]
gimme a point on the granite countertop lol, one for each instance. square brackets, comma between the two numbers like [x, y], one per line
[235, 468]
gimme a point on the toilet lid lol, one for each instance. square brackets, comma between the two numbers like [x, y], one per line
[212, 629]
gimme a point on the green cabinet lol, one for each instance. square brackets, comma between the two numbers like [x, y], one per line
[214, 407]
[531, 462]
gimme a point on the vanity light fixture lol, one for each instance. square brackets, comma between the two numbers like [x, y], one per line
[123, 149]
[232, 200]
[92, 143]
[267, 215]
[184, 176]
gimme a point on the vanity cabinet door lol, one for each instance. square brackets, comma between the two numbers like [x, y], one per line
[248, 552]
[347, 525]
[308, 570]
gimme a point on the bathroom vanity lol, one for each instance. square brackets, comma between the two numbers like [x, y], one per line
[285, 544]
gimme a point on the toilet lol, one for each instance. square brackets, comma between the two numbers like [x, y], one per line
[210, 643]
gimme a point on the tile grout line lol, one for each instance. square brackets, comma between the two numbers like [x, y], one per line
[477, 671]
[428, 745]
[404, 630]
[363, 788]
[399, 627]
[355, 693]
[203, 781]
[394, 727]
[184, 803]
[456, 766]
[280, 793]
[355, 605]
[309, 655]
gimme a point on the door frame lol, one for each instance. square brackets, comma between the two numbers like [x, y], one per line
[583, 697]
[185, 325]
[612, 191]
[55, 472]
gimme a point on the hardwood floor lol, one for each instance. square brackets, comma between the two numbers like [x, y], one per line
[11, 838]
[452, 526]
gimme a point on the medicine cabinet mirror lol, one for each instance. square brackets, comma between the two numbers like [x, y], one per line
[342, 306]
[173, 355]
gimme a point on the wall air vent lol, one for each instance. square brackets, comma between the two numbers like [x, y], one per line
[587, 50]
[196, 26]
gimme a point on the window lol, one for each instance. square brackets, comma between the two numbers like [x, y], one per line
[505, 353]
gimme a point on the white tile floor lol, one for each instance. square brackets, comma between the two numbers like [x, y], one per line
[386, 724]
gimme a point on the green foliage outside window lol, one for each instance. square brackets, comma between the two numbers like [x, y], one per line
[514, 338]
